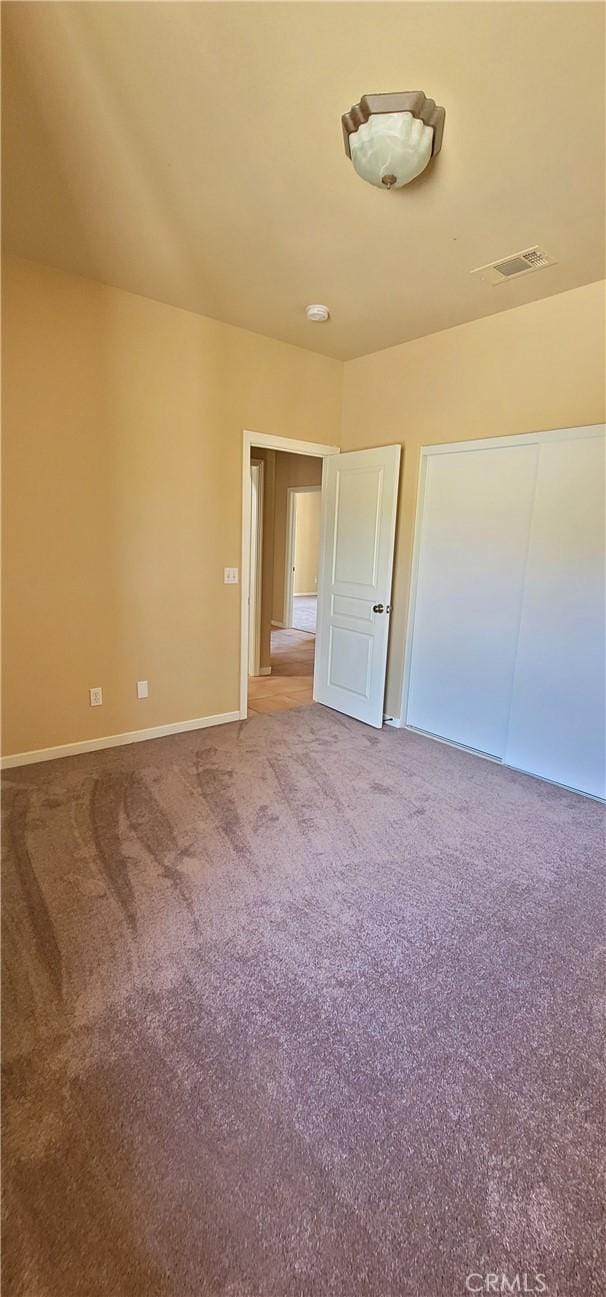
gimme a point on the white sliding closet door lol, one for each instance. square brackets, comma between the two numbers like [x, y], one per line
[558, 713]
[475, 523]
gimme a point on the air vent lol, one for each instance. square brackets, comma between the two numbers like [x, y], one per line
[520, 263]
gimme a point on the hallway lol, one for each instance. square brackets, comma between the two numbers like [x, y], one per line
[304, 612]
[291, 681]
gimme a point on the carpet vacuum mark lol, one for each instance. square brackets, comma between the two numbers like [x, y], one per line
[293, 1008]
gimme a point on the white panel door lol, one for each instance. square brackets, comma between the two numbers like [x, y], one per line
[558, 713]
[359, 501]
[476, 510]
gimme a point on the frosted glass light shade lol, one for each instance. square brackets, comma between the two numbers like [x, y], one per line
[390, 149]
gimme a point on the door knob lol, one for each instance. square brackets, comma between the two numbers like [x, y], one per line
[378, 607]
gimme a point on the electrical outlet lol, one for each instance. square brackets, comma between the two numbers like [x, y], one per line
[230, 575]
[142, 689]
[96, 697]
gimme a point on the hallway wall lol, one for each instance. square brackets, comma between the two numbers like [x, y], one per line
[291, 470]
[307, 542]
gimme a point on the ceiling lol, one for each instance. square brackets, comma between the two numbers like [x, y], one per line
[193, 153]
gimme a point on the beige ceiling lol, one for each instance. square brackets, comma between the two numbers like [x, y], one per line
[192, 153]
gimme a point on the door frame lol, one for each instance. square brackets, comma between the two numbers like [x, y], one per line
[289, 559]
[264, 441]
[255, 590]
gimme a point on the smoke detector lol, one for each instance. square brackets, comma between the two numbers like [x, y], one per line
[317, 314]
[520, 263]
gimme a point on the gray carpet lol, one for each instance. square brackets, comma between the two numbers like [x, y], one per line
[304, 612]
[297, 1009]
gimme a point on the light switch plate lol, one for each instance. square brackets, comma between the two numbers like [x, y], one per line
[230, 575]
[142, 689]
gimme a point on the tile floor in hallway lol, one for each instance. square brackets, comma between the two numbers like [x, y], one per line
[291, 681]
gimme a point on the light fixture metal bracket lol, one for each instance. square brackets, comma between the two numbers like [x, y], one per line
[406, 101]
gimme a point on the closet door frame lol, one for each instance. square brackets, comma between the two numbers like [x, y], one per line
[450, 448]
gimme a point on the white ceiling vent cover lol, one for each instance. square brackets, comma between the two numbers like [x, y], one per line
[520, 263]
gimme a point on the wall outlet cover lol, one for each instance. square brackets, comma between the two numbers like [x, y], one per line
[230, 575]
[96, 697]
[142, 689]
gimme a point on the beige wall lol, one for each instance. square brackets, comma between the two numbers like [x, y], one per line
[307, 542]
[123, 425]
[122, 422]
[291, 470]
[533, 368]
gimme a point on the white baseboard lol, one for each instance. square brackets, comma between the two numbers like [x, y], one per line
[393, 721]
[115, 740]
[264, 671]
[305, 594]
[279, 624]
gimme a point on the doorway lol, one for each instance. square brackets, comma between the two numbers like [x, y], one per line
[359, 501]
[302, 557]
[278, 605]
[283, 580]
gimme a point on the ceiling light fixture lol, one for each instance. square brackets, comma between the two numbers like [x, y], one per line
[317, 314]
[391, 138]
